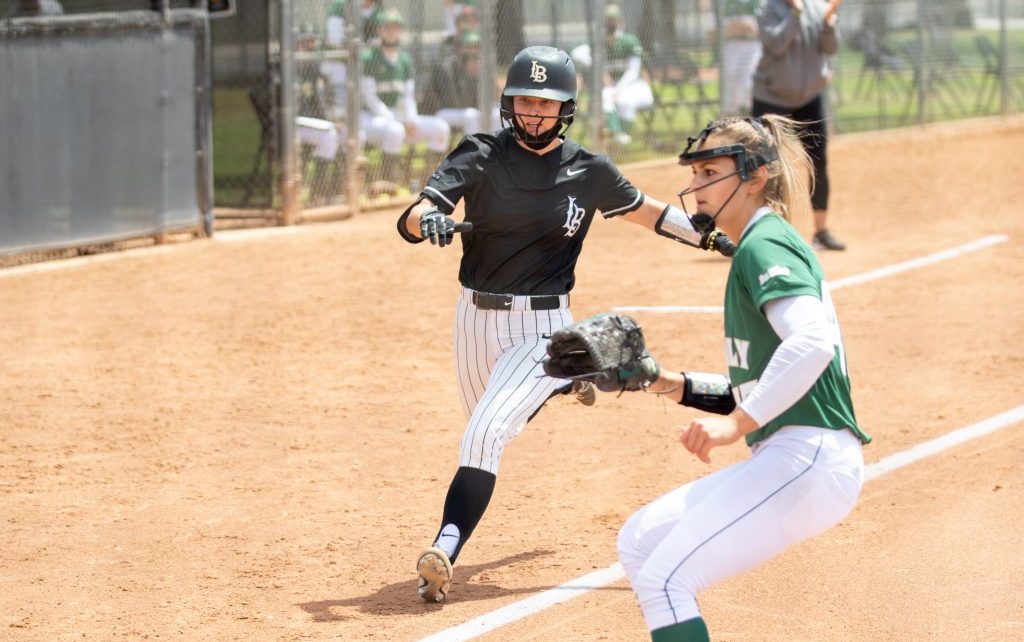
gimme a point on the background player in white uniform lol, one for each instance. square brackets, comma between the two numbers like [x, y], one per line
[790, 393]
[625, 90]
[388, 88]
[531, 196]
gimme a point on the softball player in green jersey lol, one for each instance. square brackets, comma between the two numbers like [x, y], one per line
[390, 117]
[788, 392]
[625, 90]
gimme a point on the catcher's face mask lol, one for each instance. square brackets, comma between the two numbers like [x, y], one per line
[746, 164]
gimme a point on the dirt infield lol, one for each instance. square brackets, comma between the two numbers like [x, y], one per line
[250, 438]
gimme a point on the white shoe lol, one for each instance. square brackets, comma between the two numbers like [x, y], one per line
[435, 573]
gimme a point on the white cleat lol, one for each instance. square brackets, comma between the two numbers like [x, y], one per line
[435, 573]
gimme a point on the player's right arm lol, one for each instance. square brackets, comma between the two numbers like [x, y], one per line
[412, 222]
[430, 216]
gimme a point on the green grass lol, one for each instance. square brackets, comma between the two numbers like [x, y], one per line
[236, 140]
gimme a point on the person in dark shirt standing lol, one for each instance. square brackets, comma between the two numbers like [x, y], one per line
[791, 80]
[531, 196]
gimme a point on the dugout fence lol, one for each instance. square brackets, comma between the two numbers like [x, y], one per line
[295, 137]
[104, 127]
[902, 62]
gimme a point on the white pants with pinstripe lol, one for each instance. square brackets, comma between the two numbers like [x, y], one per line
[502, 384]
[797, 483]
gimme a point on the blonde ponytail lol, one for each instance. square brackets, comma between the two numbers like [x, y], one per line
[790, 181]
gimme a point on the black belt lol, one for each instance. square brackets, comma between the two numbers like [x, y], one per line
[488, 301]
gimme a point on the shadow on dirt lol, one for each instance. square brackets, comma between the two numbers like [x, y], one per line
[470, 584]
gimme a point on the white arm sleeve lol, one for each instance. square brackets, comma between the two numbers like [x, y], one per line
[368, 87]
[805, 352]
[631, 74]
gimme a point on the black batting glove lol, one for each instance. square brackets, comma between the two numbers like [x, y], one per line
[437, 227]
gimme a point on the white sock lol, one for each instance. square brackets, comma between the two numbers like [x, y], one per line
[448, 540]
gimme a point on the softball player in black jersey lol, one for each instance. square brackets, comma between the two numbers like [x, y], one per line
[530, 197]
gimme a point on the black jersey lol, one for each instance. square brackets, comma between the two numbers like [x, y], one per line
[530, 213]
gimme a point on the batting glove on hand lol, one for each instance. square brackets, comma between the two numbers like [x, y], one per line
[437, 227]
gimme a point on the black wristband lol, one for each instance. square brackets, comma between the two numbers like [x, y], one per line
[709, 392]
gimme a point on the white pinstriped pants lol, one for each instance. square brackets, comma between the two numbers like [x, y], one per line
[796, 484]
[502, 384]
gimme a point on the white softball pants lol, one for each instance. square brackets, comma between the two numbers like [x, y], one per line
[323, 135]
[501, 380]
[389, 133]
[627, 100]
[796, 484]
[739, 62]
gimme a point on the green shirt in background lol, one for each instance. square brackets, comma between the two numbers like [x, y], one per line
[624, 47]
[390, 76]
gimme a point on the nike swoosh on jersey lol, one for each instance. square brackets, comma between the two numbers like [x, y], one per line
[569, 171]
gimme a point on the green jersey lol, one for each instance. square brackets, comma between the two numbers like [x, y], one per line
[624, 47]
[370, 19]
[390, 76]
[773, 262]
[741, 8]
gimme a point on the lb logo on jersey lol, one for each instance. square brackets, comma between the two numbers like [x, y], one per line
[538, 73]
[573, 217]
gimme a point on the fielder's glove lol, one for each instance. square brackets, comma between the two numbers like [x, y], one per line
[437, 227]
[606, 349]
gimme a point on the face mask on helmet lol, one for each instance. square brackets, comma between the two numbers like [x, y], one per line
[540, 72]
[746, 164]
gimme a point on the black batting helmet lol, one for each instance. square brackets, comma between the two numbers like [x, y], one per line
[541, 72]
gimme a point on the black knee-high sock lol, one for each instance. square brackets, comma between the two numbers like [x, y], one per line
[467, 499]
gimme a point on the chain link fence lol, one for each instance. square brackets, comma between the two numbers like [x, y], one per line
[651, 73]
[329, 106]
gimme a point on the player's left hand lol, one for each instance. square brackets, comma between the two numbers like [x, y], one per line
[704, 433]
[437, 227]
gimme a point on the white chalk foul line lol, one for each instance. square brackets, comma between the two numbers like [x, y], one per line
[605, 576]
[529, 606]
[857, 279]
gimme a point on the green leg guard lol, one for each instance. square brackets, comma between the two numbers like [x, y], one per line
[689, 631]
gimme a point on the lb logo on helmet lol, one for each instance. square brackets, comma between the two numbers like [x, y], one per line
[538, 72]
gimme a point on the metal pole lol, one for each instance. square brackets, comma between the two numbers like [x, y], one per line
[488, 64]
[554, 23]
[595, 119]
[720, 46]
[1004, 63]
[921, 69]
[289, 160]
[416, 21]
[354, 160]
[204, 127]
